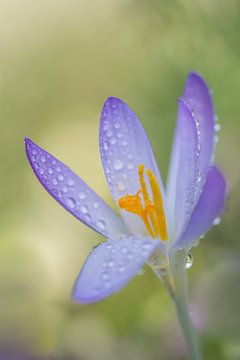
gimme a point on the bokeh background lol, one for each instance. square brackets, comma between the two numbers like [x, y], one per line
[59, 60]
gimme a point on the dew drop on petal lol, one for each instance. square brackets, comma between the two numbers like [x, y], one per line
[101, 224]
[95, 205]
[113, 141]
[105, 275]
[118, 165]
[65, 189]
[217, 127]
[120, 186]
[60, 177]
[82, 195]
[111, 264]
[121, 268]
[54, 181]
[43, 158]
[70, 182]
[130, 166]
[189, 261]
[50, 171]
[83, 209]
[71, 203]
[216, 221]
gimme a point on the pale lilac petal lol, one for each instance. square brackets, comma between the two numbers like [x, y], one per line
[208, 208]
[199, 98]
[123, 146]
[72, 193]
[184, 170]
[110, 266]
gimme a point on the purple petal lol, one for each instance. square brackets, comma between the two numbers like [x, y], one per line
[198, 96]
[208, 208]
[123, 146]
[110, 266]
[184, 170]
[72, 193]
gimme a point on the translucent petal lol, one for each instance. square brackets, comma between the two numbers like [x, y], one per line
[208, 208]
[199, 98]
[110, 266]
[123, 146]
[184, 171]
[73, 193]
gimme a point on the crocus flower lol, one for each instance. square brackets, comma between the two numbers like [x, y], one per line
[154, 224]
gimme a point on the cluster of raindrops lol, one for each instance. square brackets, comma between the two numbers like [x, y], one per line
[116, 144]
[119, 258]
[67, 188]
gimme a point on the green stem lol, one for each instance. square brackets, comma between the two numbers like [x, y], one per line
[174, 277]
[179, 294]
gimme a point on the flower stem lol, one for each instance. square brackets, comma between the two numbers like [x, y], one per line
[188, 330]
[179, 296]
[174, 276]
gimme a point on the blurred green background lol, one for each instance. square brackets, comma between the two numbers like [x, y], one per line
[59, 60]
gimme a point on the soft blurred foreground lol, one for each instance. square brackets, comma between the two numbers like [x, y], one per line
[59, 60]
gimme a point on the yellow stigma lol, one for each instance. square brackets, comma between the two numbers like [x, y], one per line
[151, 211]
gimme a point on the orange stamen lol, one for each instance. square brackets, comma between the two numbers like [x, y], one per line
[152, 213]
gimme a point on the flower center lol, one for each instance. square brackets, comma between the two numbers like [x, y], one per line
[151, 211]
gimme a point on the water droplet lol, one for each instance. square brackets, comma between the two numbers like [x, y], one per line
[105, 123]
[111, 264]
[119, 135]
[217, 127]
[50, 171]
[58, 169]
[105, 275]
[84, 209]
[41, 171]
[109, 133]
[120, 186]
[33, 158]
[118, 165]
[189, 261]
[70, 182]
[71, 203]
[109, 246]
[105, 146]
[43, 158]
[37, 166]
[113, 141]
[124, 143]
[65, 189]
[130, 166]
[82, 195]
[54, 181]
[216, 221]
[121, 268]
[87, 218]
[54, 162]
[146, 246]
[117, 125]
[60, 194]
[60, 177]
[34, 151]
[95, 205]
[101, 224]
